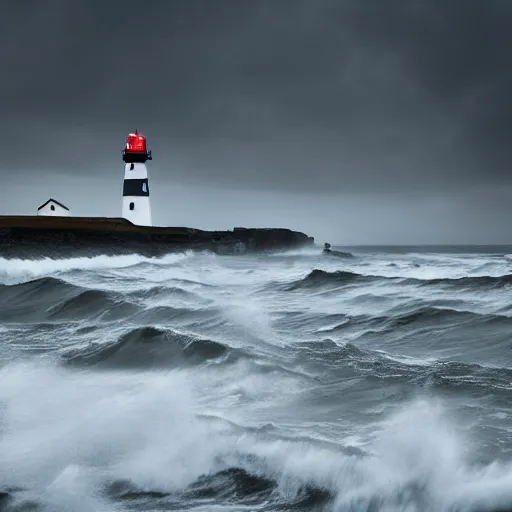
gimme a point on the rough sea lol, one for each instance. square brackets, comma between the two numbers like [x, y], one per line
[298, 381]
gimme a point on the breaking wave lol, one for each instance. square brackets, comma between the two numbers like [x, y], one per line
[146, 454]
[317, 278]
[147, 347]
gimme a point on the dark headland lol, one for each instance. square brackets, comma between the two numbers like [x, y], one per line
[55, 237]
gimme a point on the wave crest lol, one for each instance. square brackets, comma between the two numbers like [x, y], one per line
[148, 347]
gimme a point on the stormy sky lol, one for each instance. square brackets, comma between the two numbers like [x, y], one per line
[357, 121]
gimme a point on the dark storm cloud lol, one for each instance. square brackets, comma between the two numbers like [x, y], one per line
[302, 95]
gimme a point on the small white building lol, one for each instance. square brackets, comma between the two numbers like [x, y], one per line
[53, 208]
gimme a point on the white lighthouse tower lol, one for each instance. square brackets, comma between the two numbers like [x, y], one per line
[136, 205]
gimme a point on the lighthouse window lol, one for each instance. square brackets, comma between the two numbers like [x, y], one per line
[136, 187]
[132, 206]
[132, 166]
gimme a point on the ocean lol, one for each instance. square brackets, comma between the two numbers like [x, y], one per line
[297, 381]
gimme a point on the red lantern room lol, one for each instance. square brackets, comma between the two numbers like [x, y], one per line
[136, 149]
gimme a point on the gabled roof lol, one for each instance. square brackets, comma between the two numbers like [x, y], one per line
[53, 201]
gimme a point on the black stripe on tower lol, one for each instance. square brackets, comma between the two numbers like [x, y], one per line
[136, 187]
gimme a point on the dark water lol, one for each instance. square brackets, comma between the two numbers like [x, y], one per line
[292, 382]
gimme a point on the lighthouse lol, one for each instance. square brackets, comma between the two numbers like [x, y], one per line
[136, 206]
